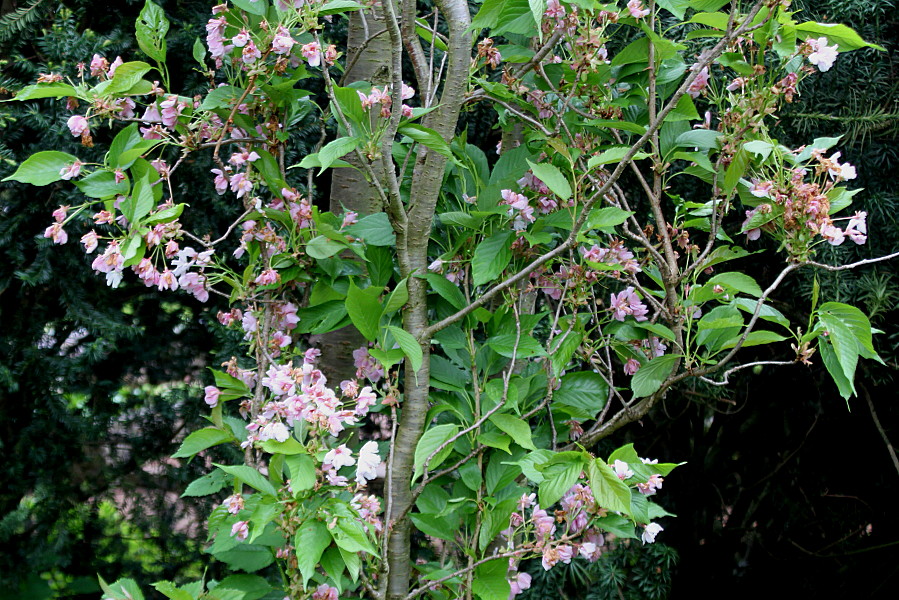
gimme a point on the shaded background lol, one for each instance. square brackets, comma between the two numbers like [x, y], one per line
[783, 482]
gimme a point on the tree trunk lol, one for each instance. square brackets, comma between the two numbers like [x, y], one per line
[349, 188]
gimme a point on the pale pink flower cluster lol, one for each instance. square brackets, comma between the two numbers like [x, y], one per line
[111, 262]
[302, 394]
[699, 84]
[234, 503]
[325, 592]
[635, 8]
[822, 55]
[55, 231]
[616, 254]
[519, 208]
[626, 302]
[367, 366]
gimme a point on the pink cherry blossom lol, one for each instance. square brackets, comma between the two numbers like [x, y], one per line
[56, 233]
[627, 303]
[78, 125]
[650, 532]
[241, 530]
[312, 53]
[212, 395]
[822, 56]
[635, 7]
[338, 458]
[369, 460]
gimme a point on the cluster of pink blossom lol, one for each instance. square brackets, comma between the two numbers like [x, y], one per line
[282, 44]
[570, 531]
[489, 53]
[806, 206]
[626, 302]
[636, 9]
[368, 507]
[367, 366]
[366, 470]
[519, 208]
[384, 98]
[819, 53]
[616, 254]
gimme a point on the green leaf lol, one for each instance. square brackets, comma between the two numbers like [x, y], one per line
[166, 215]
[200, 440]
[302, 472]
[335, 149]
[409, 346]
[444, 528]
[43, 168]
[675, 7]
[247, 557]
[252, 587]
[658, 329]
[45, 90]
[426, 137]
[254, 7]
[735, 170]
[515, 427]
[759, 148]
[553, 178]
[102, 184]
[352, 535]
[170, 590]
[364, 310]
[737, 281]
[610, 216]
[833, 366]
[496, 518]
[334, 7]
[649, 378]
[509, 344]
[321, 247]
[210, 483]
[855, 320]
[844, 343]
[461, 219]
[767, 313]
[310, 542]
[127, 75]
[703, 139]
[140, 202]
[582, 394]
[609, 492]
[614, 155]
[221, 97]
[288, 447]
[199, 52]
[685, 110]
[446, 289]
[491, 257]
[374, 230]
[495, 439]
[150, 29]
[563, 348]
[754, 338]
[251, 477]
[432, 439]
[841, 35]
[558, 479]
[122, 589]
[489, 582]
[397, 298]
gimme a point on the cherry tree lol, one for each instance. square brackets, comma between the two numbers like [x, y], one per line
[510, 313]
